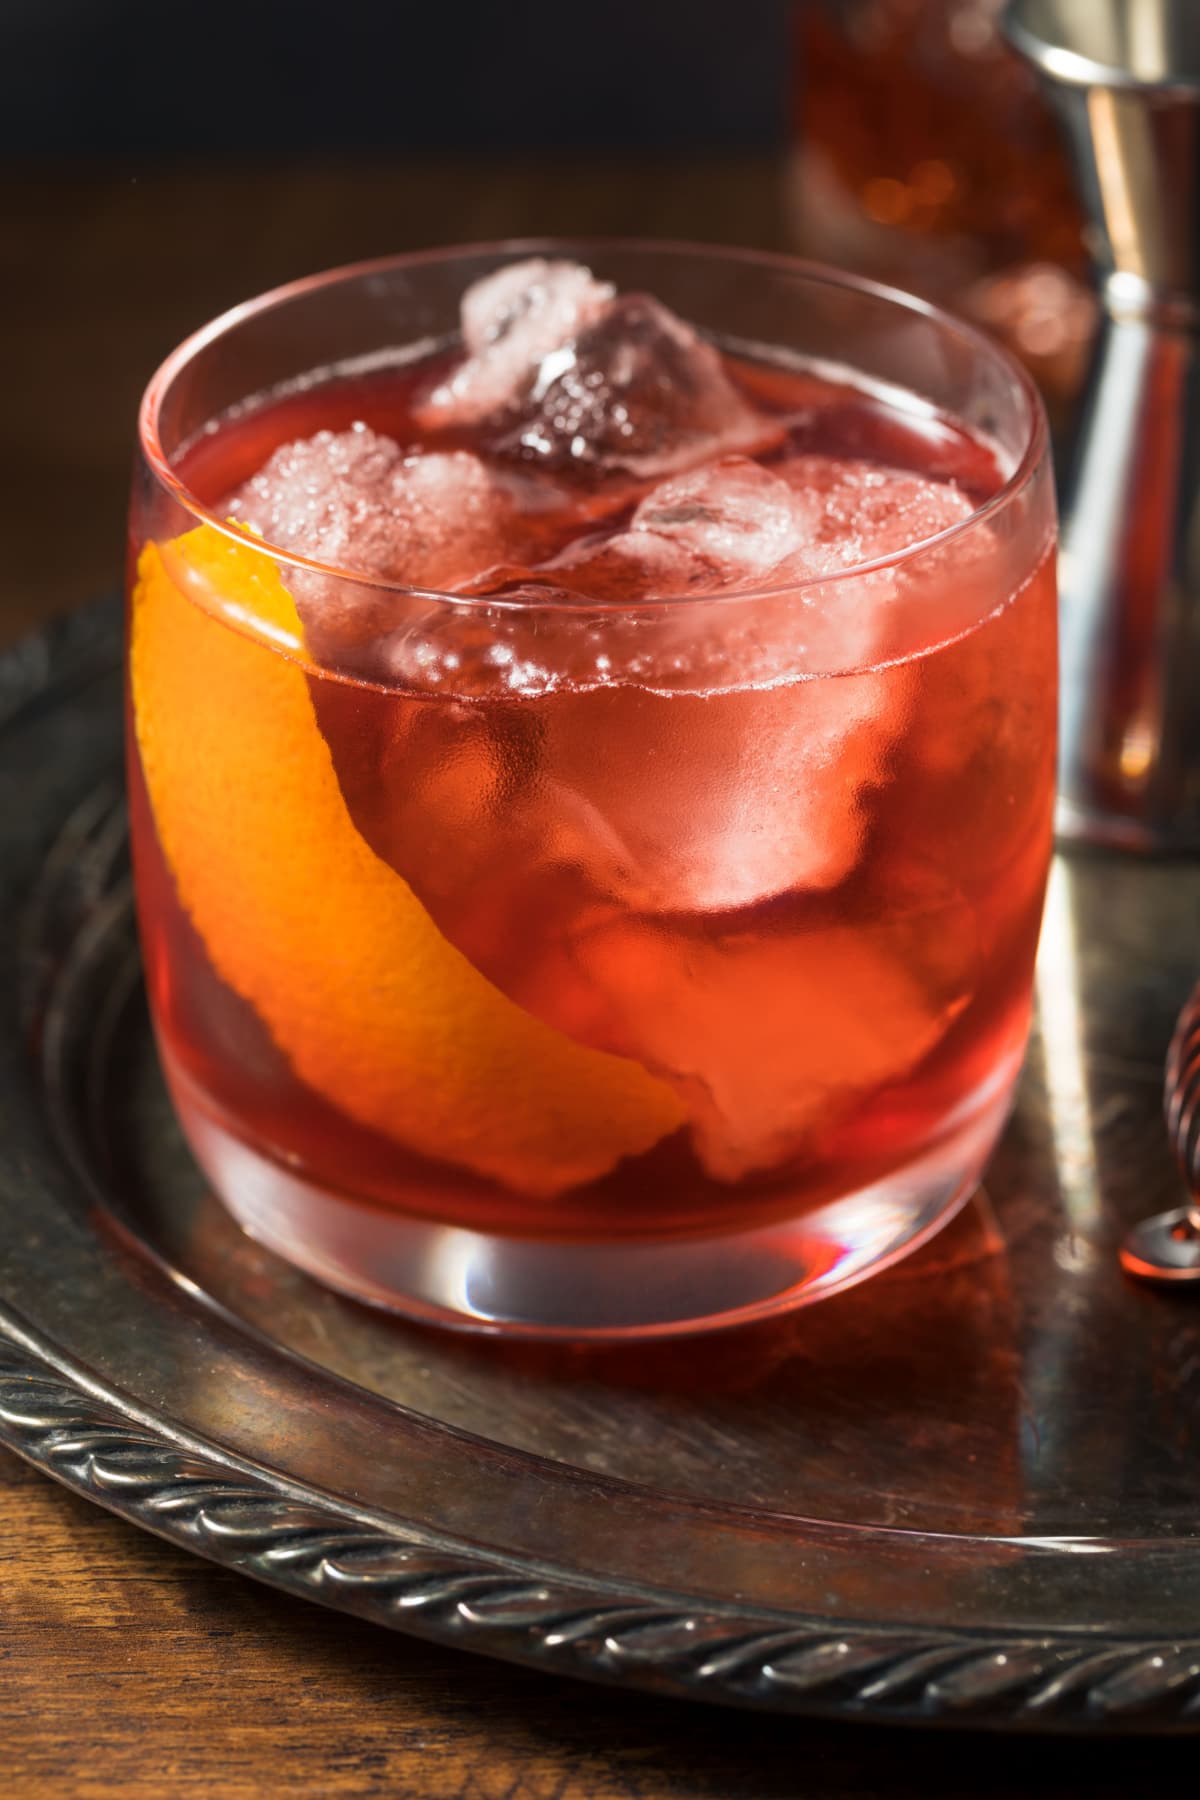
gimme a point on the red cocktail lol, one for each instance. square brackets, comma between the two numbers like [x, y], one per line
[591, 775]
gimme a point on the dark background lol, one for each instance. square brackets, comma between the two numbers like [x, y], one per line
[318, 76]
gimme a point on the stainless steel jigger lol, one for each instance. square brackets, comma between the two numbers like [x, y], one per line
[1167, 1247]
[1125, 78]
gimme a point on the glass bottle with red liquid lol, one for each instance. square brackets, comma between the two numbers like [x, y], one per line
[591, 753]
[926, 155]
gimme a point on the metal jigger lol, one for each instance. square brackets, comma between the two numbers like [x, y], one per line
[1125, 78]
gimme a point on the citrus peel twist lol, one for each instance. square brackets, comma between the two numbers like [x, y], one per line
[373, 1008]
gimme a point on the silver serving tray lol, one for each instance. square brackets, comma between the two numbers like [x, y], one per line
[967, 1492]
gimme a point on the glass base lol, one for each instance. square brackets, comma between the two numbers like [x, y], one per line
[585, 1289]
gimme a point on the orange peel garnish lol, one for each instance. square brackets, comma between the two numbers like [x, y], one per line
[373, 1008]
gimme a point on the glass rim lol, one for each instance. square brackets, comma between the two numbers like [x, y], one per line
[817, 273]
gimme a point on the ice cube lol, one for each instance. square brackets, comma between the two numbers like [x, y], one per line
[858, 511]
[713, 529]
[773, 1027]
[561, 368]
[354, 500]
[715, 801]
[511, 322]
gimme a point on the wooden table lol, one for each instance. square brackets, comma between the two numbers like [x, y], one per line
[126, 1667]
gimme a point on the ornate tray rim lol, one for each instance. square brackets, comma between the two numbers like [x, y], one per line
[292, 1537]
[103, 1443]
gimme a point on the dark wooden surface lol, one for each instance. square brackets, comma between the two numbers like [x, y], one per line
[126, 1667]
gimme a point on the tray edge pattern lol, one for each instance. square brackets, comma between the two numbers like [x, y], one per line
[471, 1599]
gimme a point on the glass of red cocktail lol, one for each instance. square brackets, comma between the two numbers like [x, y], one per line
[591, 755]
